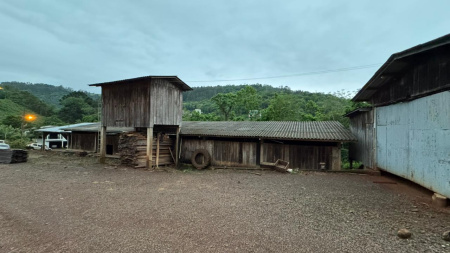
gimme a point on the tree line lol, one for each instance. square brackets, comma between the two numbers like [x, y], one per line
[266, 103]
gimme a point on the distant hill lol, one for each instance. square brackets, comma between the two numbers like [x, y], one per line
[48, 93]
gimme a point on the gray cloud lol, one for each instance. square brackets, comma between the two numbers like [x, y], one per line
[74, 43]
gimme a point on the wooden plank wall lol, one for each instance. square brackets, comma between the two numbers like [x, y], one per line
[87, 141]
[361, 125]
[126, 105]
[428, 75]
[236, 153]
[166, 103]
[83, 141]
[223, 153]
[304, 157]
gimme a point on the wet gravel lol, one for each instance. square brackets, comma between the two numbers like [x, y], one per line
[57, 203]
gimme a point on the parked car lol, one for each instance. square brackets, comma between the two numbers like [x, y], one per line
[4, 146]
[37, 146]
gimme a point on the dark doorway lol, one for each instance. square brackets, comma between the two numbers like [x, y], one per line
[109, 149]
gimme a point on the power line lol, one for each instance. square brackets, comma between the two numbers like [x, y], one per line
[318, 72]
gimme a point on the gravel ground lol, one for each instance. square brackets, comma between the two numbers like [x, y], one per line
[58, 203]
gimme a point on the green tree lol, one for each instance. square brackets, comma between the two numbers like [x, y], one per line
[226, 103]
[13, 121]
[74, 109]
[196, 116]
[7, 132]
[282, 107]
[248, 99]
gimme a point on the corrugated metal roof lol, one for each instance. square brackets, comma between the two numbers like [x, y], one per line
[95, 127]
[287, 130]
[173, 79]
[61, 129]
[398, 62]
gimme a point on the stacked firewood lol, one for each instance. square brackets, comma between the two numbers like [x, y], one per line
[133, 149]
[13, 156]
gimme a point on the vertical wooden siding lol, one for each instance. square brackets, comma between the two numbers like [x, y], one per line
[87, 141]
[361, 125]
[428, 74]
[223, 153]
[304, 157]
[237, 153]
[83, 141]
[142, 104]
[166, 103]
[126, 105]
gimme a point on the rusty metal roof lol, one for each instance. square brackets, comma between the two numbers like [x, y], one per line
[172, 79]
[332, 131]
[397, 63]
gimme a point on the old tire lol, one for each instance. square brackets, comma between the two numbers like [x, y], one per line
[203, 162]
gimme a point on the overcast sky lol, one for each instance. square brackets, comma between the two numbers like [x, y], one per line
[76, 43]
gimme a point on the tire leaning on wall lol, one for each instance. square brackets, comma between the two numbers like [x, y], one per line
[206, 160]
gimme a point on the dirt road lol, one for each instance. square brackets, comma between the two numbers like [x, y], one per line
[57, 203]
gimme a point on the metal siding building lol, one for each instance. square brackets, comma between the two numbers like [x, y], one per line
[413, 141]
[411, 115]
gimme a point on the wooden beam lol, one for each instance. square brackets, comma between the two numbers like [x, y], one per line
[149, 147]
[261, 147]
[43, 141]
[102, 158]
[177, 146]
[157, 149]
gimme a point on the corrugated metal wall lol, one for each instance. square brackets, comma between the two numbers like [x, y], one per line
[362, 127]
[413, 141]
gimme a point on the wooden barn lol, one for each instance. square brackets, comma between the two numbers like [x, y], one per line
[149, 104]
[407, 132]
[305, 145]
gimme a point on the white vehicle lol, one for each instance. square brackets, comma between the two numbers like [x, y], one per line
[4, 146]
[2, 141]
[37, 146]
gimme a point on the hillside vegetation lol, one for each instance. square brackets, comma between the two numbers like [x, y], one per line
[264, 102]
[49, 93]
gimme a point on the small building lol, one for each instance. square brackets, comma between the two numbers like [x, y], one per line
[56, 136]
[305, 145]
[86, 137]
[407, 132]
[144, 103]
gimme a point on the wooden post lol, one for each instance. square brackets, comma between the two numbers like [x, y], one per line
[261, 145]
[149, 147]
[177, 146]
[157, 149]
[43, 141]
[102, 158]
[96, 143]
